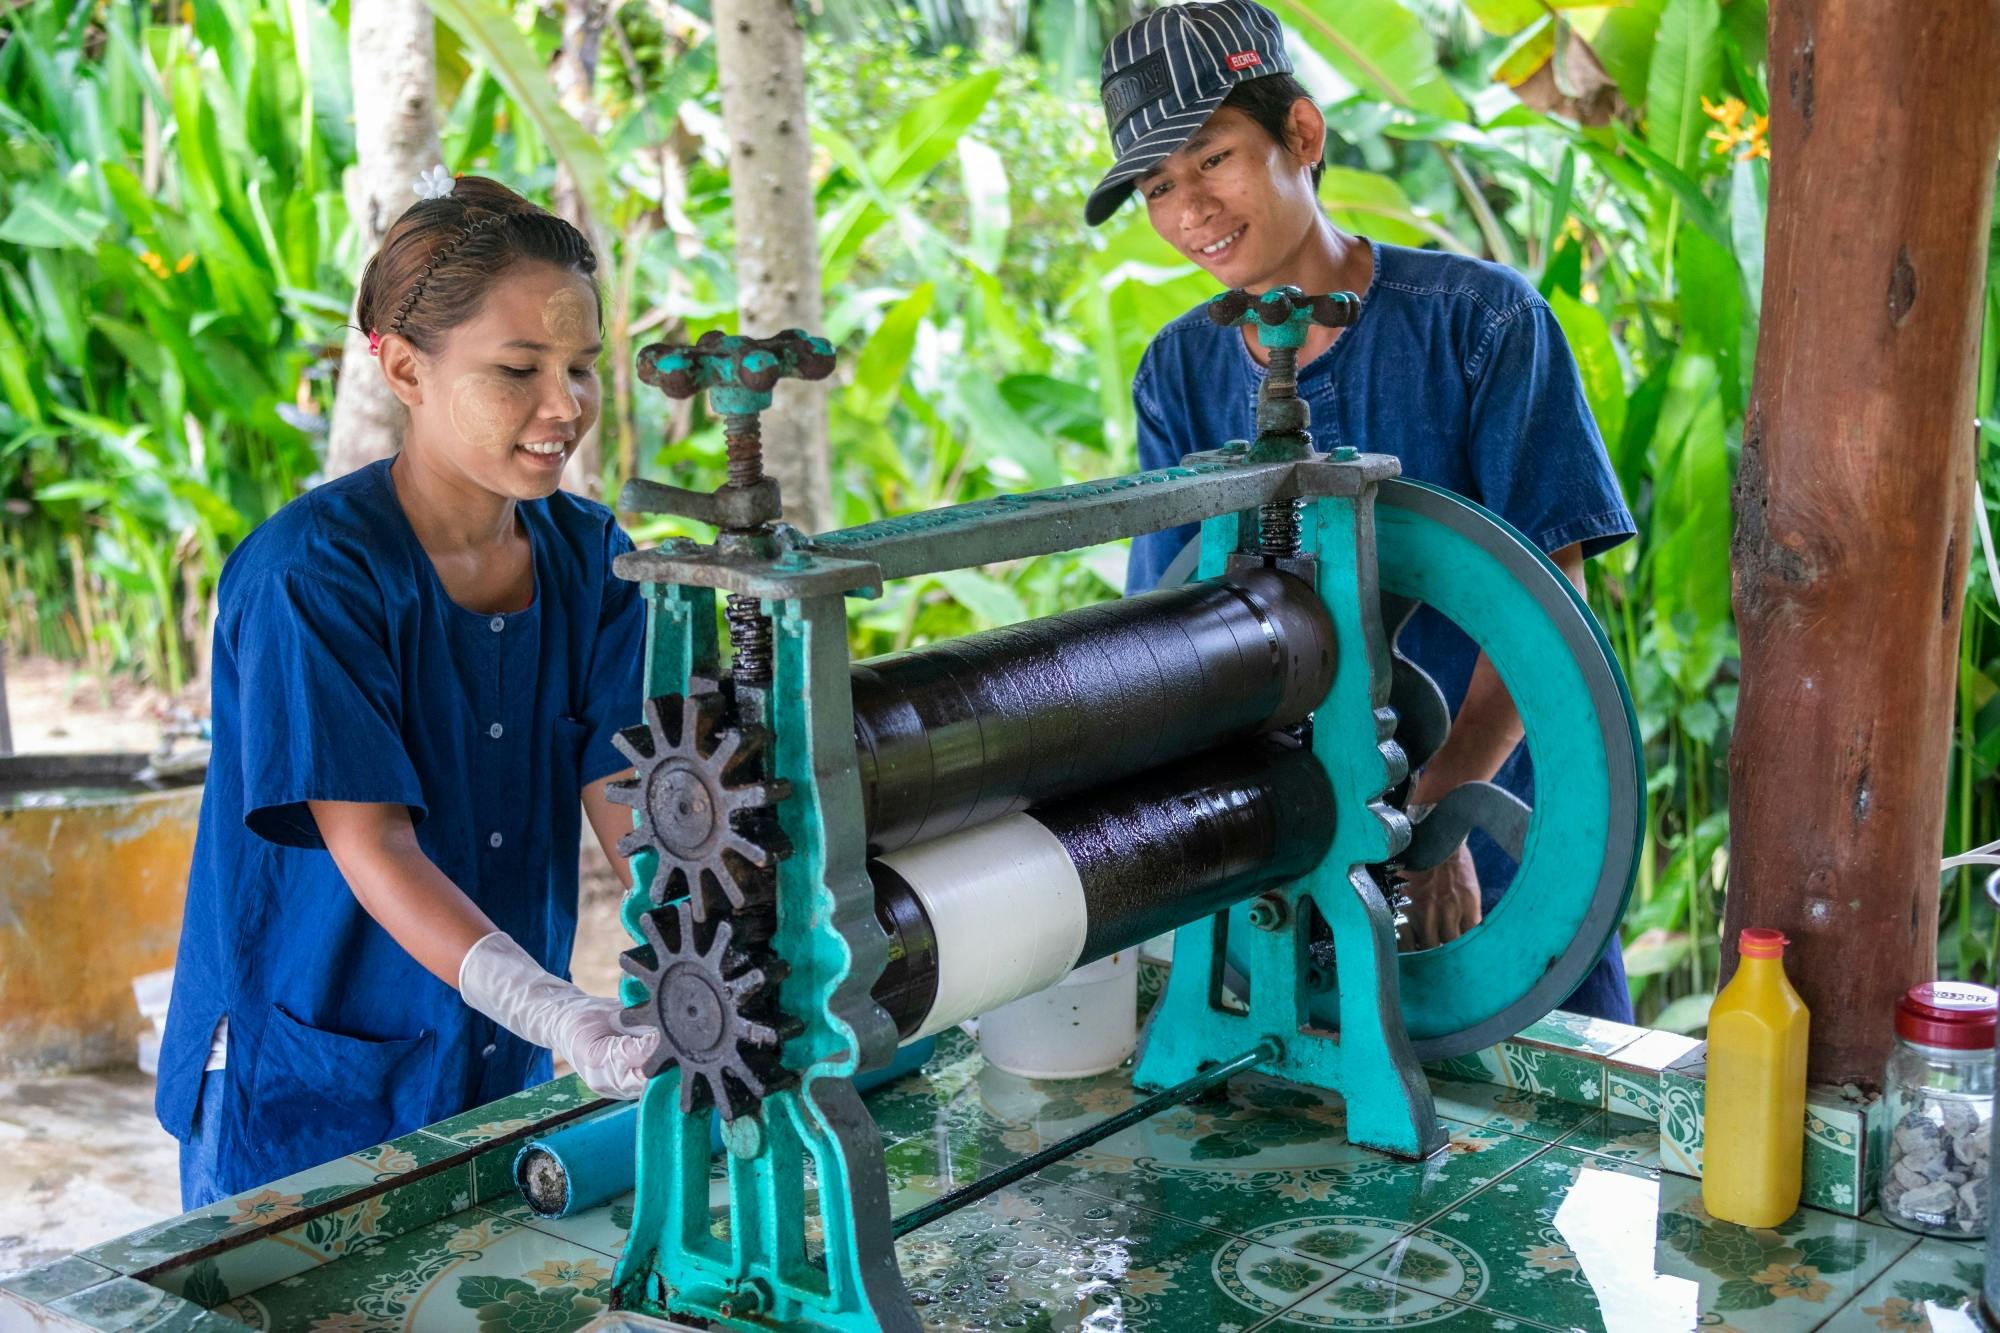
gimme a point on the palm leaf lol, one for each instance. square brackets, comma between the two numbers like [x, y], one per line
[488, 30]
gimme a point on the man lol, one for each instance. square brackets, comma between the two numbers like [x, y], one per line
[1456, 366]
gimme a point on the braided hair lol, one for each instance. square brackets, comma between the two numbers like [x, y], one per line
[444, 255]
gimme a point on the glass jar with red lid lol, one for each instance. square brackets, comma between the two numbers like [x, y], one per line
[1938, 1091]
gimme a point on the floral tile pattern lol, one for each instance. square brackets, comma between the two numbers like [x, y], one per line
[1510, 1110]
[353, 1229]
[1268, 1151]
[1932, 1289]
[1037, 1256]
[256, 1209]
[1618, 1136]
[1359, 1301]
[1570, 1235]
[1245, 1210]
[1580, 1032]
[1789, 1276]
[472, 1271]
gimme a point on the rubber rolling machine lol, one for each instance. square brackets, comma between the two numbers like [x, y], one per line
[832, 857]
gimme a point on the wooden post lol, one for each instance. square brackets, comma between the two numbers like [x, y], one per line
[1853, 500]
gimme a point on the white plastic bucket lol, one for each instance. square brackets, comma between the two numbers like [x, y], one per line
[1085, 1024]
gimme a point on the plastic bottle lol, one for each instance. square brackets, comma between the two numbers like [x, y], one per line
[1753, 1126]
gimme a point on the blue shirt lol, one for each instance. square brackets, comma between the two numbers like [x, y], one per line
[1458, 368]
[344, 672]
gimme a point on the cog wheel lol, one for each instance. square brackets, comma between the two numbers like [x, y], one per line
[703, 804]
[715, 1009]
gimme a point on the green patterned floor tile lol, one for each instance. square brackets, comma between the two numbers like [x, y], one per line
[52, 1281]
[964, 1105]
[1037, 1256]
[1580, 1032]
[127, 1305]
[347, 1231]
[497, 1120]
[1269, 1151]
[1509, 1110]
[1359, 1301]
[1932, 1289]
[471, 1271]
[1608, 1135]
[162, 1243]
[1571, 1235]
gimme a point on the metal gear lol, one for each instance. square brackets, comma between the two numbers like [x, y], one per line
[715, 1008]
[703, 803]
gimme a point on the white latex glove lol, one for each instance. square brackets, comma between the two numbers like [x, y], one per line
[500, 980]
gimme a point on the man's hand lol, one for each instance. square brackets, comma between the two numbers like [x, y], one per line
[1444, 902]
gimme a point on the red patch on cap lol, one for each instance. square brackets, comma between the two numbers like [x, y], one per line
[1245, 59]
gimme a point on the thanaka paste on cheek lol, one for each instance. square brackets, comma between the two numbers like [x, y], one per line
[570, 318]
[484, 409]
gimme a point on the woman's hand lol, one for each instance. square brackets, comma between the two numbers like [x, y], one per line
[500, 980]
[1444, 902]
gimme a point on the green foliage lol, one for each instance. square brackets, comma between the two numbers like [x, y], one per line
[168, 274]
[153, 408]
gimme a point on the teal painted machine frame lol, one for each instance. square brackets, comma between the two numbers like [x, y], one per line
[761, 1273]
[1345, 1033]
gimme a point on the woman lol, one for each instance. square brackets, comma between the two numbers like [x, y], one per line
[418, 669]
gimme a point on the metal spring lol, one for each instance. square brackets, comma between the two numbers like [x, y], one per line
[1278, 528]
[743, 438]
[749, 640]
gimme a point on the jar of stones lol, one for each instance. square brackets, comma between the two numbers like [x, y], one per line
[1939, 1098]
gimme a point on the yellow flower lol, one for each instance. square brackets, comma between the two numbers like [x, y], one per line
[568, 1273]
[1896, 1314]
[184, 263]
[1728, 114]
[266, 1207]
[187, 13]
[1732, 132]
[155, 263]
[1786, 1280]
[1551, 1258]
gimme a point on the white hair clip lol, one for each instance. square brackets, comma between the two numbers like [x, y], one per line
[436, 183]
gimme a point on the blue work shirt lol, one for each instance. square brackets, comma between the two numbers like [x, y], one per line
[344, 672]
[1459, 369]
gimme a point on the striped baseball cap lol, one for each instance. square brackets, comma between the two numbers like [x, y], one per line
[1164, 76]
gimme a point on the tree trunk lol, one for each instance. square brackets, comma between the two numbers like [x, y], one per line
[759, 52]
[390, 44]
[575, 79]
[1853, 498]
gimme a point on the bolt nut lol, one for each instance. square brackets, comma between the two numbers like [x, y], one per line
[1268, 912]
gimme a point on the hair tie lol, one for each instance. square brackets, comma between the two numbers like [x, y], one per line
[374, 343]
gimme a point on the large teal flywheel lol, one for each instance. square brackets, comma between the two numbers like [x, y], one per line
[1581, 850]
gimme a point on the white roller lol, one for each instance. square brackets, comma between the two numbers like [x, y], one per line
[1007, 908]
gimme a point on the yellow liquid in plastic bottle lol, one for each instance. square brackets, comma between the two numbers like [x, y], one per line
[1753, 1128]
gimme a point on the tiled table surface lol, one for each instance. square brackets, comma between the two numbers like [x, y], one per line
[1245, 1212]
